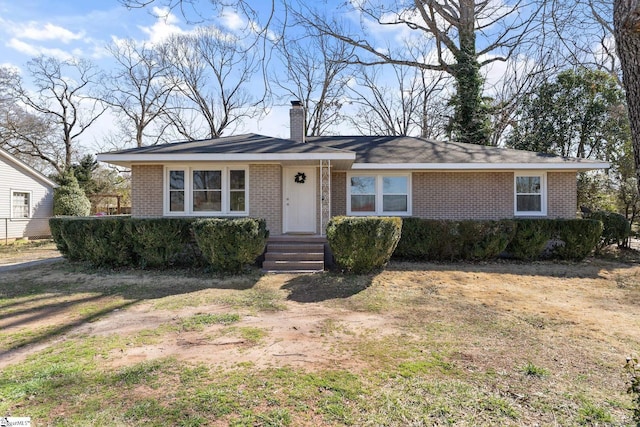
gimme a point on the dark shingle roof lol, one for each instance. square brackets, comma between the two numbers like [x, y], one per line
[405, 152]
[238, 144]
[399, 149]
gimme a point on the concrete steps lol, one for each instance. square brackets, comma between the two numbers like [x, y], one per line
[294, 254]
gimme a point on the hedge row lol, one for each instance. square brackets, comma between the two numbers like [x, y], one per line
[453, 240]
[227, 244]
[526, 239]
[363, 244]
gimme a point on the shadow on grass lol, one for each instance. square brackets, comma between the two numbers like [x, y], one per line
[72, 295]
[48, 333]
[327, 286]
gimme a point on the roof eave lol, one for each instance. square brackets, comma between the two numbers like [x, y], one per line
[569, 166]
[128, 159]
[28, 169]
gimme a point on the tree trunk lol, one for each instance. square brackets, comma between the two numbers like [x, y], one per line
[626, 21]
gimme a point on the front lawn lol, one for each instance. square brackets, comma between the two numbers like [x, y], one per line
[418, 344]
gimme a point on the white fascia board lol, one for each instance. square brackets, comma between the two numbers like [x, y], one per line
[482, 166]
[28, 169]
[244, 157]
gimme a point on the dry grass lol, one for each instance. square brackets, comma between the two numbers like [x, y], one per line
[418, 344]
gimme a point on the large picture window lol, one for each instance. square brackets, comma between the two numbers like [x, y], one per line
[530, 194]
[379, 194]
[20, 204]
[206, 191]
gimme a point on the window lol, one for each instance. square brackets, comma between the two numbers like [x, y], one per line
[205, 191]
[530, 194]
[379, 195]
[20, 204]
[176, 191]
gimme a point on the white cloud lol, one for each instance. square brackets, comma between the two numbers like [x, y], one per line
[232, 20]
[37, 31]
[164, 27]
[33, 50]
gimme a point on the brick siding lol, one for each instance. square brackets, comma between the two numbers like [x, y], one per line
[436, 195]
[562, 196]
[146, 190]
[470, 195]
[265, 195]
[338, 193]
[463, 195]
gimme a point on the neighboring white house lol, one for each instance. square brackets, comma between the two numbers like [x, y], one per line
[26, 200]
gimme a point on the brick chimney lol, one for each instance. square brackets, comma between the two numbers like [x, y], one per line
[296, 122]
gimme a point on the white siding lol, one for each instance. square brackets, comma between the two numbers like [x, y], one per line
[16, 177]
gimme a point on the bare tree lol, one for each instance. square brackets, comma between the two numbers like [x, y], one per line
[316, 67]
[138, 89]
[16, 124]
[62, 104]
[449, 29]
[211, 73]
[404, 101]
[626, 20]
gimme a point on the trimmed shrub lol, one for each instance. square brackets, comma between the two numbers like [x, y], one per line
[482, 240]
[100, 241]
[55, 225]
[577, 238]
[230, 244]
[616, 228]
[163, 242]
[109, 244]
[566, 239]
[530, 238]
[69, 199]
[363, 244]
[424, 239]
[76, 233]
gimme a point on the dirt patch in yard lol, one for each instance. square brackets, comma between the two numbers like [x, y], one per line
[513, 308]
[491, 343]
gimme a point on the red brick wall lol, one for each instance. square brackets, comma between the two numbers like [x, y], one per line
[146, 190]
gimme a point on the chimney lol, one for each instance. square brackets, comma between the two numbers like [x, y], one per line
[296, 122]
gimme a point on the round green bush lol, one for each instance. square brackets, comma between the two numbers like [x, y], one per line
[363, 244]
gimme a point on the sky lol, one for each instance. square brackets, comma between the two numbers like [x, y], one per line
[82, 28]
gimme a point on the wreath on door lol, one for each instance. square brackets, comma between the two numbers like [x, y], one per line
[300, 178]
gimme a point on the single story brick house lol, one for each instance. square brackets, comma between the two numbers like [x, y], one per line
[26, 199]
[297, 184]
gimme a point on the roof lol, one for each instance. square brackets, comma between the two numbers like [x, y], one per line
[393, 152]
[355, 152]
[247, 148]
[17, 163]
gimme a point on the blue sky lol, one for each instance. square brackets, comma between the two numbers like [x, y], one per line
[82, 28]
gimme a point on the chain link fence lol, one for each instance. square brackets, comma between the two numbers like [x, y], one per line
[20, 228]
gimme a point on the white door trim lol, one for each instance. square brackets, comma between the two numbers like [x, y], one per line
[292, 219]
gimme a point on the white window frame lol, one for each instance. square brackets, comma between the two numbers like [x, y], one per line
[188, 190]
[379, 194]
[543, 193]
[30, 208]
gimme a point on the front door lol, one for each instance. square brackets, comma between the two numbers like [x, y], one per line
[299, 200]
